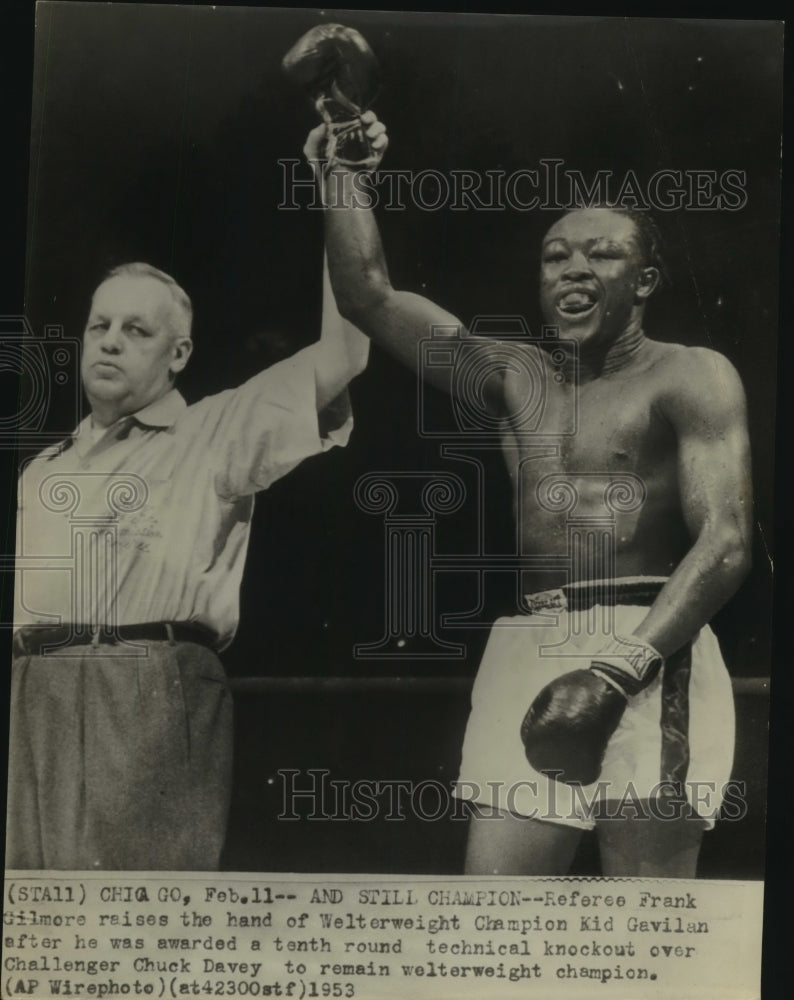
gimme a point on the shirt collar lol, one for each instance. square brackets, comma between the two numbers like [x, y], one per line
[163, 412]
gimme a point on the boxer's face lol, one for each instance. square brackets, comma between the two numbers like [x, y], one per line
[593, 283]
[132, 346]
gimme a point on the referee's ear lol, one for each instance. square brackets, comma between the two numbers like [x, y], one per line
[181, 349]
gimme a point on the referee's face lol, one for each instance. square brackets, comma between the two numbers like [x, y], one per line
[132, 347]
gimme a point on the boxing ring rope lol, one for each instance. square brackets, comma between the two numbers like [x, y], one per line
[754, 686]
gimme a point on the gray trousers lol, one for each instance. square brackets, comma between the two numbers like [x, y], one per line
[119, 762]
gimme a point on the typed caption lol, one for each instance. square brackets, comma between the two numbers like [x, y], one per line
[103, 935]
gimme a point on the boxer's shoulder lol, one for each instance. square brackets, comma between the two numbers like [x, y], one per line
[696, 379]
[683, 357]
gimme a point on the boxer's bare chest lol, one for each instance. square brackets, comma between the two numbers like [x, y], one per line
[602, 433]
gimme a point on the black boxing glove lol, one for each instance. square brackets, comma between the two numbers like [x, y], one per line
[339, 72]
[569, 724]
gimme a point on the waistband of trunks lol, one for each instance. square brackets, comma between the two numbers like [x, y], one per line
[32, 640]
[584, 594]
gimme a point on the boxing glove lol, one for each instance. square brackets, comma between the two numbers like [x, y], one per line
[569, 724]
[339, 72]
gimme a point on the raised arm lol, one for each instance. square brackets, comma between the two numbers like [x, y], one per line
[396, 320]
[708, 412]
[341, 352]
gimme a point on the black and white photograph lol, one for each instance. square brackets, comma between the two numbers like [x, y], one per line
[389, 439]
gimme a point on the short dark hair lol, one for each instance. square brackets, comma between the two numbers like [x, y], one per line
[649, 237]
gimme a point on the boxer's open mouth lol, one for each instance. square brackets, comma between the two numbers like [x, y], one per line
[576, 303]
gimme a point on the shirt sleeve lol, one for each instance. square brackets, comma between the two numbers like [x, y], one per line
[262, 430]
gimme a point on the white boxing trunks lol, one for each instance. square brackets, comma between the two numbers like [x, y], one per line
[674, 744]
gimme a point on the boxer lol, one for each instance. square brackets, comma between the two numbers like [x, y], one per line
[631, 743]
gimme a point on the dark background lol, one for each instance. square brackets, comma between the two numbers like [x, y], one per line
[156, 135]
